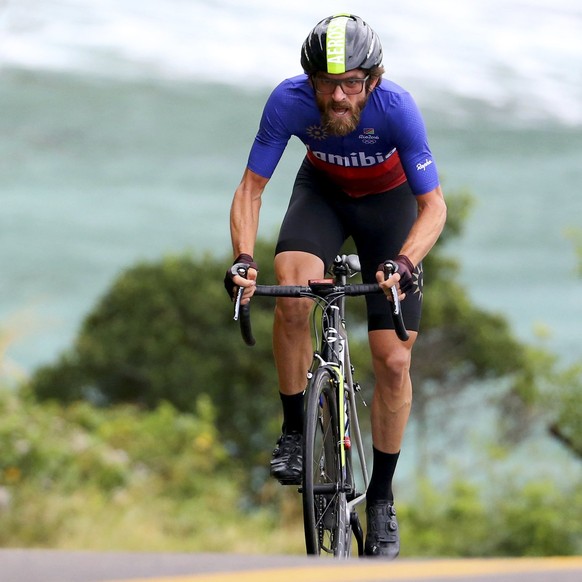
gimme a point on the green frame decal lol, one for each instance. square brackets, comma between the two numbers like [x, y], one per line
[342, 417]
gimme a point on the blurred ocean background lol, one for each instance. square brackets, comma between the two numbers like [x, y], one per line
[125, 127]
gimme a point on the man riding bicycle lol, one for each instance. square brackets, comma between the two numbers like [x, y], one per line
[368, 174]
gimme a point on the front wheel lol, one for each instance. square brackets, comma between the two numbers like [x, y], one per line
[325, 513]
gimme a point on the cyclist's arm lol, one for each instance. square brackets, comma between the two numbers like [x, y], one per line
[244, 220]
[432, 214]
[244, 212]
[421, 171]
[268, 147]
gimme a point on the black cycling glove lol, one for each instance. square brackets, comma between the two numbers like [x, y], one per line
[244, 262]
[404, 269]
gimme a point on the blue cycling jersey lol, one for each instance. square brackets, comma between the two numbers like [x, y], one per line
[388, 147]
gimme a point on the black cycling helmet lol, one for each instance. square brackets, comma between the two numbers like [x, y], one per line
[341, 43]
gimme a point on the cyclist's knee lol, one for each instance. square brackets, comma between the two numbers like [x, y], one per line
[293, 312]
[296, 268]
[391, 357]
[392, 365]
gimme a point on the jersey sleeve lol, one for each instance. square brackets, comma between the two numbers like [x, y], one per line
[412, 145]
[272, 136]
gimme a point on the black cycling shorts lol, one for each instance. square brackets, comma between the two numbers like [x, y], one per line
[320, 217]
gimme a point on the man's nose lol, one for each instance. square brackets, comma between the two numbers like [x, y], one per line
[338, 93]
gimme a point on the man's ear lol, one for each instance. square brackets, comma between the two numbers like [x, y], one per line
[372, 83]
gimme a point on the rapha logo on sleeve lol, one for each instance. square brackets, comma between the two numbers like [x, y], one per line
[424, 165]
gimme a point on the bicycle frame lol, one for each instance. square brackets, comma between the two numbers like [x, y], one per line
[335, 355]
[332, 373]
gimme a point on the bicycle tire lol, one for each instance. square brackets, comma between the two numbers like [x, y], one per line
[325, 514]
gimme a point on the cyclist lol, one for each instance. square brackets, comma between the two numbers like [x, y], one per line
[368, 173]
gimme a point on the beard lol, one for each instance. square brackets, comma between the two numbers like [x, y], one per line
[340, 126]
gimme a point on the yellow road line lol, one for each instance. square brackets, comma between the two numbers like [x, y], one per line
[366, 571]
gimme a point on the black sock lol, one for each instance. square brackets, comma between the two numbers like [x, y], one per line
[292, 412]
[380, 487]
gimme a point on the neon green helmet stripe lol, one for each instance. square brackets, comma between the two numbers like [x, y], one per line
[335, 44]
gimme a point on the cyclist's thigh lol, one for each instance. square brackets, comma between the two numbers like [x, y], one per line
[383, 223]
[311, 223]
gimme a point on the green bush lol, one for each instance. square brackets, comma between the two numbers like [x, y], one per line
[164, 332]
[51, 446]
[123, 478]
[532, 519]
[78, 476]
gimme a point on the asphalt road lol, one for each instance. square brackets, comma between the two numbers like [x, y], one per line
[61, 566]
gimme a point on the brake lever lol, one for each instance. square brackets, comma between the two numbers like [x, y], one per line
[239, 295]
[239, 269]
[395, 300]
[390, 267]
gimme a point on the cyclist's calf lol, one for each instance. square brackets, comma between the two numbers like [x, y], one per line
[393, 391]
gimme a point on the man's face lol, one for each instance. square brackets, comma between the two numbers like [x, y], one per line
[340, 111]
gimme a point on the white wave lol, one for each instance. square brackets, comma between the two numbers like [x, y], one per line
[520, 55]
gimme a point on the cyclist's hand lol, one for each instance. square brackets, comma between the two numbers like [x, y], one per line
[402, 277]
[243, 273]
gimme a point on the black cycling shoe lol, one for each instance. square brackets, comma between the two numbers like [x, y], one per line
[287, 461]
[382, 537]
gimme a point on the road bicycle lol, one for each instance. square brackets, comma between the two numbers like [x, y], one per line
[335, 475]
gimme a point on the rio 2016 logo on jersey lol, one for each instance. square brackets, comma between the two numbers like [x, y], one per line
[368, 136]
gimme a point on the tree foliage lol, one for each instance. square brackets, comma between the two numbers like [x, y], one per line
[83, 477]
[164, 332]
[162, 339]
[504, 521]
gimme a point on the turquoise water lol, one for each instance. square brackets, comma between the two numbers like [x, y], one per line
[96, 174]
